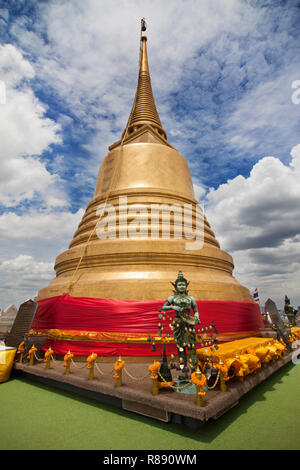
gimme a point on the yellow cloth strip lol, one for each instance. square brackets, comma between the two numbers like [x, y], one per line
[295, 330]
[102, 336]
[233, 348]
[6, 362]
[75, 335]
[242, 357]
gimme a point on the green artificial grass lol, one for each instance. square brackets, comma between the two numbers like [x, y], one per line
[39, 417]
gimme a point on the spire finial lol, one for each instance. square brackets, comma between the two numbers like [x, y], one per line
[144, 110]
[143, 25]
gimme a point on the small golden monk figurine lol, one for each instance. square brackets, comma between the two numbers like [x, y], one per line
[184, 324]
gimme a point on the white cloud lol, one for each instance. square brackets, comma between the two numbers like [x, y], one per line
[199, 191]
[256, 219]
[21, 277]
[25, 133]
[14, 68]
[26, 267]
[29, 244]
[265, 115]
[37, 232]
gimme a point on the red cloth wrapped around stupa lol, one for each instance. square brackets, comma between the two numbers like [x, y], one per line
[122, 327]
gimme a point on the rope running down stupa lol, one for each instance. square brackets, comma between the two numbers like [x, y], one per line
[113, 179]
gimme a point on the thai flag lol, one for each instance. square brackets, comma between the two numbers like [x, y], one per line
[255, 295]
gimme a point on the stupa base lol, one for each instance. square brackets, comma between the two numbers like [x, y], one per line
[135, 396]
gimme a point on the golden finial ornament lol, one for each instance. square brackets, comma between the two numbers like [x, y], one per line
[143, 25]
[144, 109]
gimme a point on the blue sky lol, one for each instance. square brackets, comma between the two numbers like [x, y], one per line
[222, 75]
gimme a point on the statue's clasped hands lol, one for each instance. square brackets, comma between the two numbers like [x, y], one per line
[179, 309]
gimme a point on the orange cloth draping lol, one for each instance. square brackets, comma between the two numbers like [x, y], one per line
[295, 330]
[243, 357]
[232, 348]
[102, 336]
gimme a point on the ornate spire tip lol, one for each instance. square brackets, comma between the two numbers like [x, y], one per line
[143, 25]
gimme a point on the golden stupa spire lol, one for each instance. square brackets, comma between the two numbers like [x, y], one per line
[143, 110]
[128, 254]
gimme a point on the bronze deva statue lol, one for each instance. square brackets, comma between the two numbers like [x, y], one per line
[290, 312]
[184, 324]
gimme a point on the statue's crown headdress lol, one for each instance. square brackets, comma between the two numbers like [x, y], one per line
[180, 278]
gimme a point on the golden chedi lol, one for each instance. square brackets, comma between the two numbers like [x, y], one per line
[122, 249]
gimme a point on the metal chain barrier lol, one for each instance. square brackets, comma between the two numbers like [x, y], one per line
[215, 384]
[53, 359]
[137, 379]
[101, 372]
[172, 386]
[78, 367]
[37, 358]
